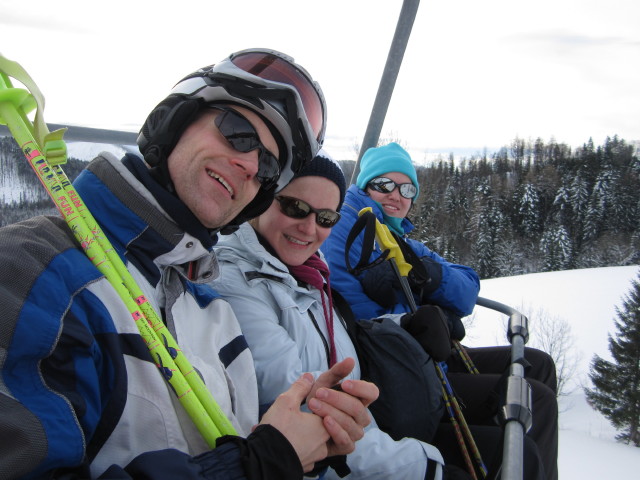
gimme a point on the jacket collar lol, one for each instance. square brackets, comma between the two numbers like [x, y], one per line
[135, 221]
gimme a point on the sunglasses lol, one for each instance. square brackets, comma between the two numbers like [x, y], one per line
[296, 208]
[277, 67]
[386, 185]
[243, 137]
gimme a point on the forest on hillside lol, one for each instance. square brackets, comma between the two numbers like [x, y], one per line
[534, 207]
[529, 207]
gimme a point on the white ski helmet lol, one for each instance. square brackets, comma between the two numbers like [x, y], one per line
[268, 83]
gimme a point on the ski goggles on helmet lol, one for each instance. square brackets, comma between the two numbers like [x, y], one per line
[243, 137]
[296, 208]
[273, 86]
[279, 68]
[386, 185]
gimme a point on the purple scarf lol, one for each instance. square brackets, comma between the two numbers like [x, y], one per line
[316, 273]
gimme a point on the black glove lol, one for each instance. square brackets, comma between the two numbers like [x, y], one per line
[381, 284]
[425, 277]
[456, 327]
[429, 327]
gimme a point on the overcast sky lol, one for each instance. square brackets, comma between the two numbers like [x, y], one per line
[475, 74]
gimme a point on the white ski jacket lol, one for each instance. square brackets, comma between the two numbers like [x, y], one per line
[284, 325]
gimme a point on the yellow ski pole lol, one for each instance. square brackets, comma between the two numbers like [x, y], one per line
[402, 268]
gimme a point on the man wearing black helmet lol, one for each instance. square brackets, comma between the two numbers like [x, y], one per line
[80, 394]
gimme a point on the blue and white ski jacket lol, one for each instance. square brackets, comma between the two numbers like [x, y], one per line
[458, 288]
[79, 391]
[285, 327]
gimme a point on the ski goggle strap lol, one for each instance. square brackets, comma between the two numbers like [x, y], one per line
[277, 67]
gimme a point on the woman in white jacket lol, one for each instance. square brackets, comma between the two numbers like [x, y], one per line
[274, 277]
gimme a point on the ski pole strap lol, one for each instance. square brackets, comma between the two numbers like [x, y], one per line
[184, 380]
[366, 223]
[55, 149]
[394, 255]
[374, 231]
[386, 241]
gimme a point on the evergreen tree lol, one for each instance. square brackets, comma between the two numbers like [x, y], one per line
[579, 205]
[616, 384]
[562, 204]
[528, 209]
[556, 249]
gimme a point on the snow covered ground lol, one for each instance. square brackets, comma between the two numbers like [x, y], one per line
[586, 300]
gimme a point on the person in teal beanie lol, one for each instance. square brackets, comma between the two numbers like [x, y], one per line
[388, 184]
[385, 159]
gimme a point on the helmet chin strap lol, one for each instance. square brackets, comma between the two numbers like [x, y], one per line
[160, 174]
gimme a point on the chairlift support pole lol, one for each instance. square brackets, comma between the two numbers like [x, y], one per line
[515, 413]
[388, 80]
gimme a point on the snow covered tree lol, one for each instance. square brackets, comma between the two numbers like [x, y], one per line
[528, 209]
[579, 204]
[616, 384]
[556, 248]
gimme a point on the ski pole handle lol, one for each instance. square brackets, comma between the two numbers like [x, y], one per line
[399, 265]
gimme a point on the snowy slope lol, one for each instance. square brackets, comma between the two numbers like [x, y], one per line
[586, 299]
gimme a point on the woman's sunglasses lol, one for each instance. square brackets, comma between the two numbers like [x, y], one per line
[386, 185]
[242, 137]
[296, 208]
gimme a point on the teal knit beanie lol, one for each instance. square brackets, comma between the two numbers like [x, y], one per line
[388, 158]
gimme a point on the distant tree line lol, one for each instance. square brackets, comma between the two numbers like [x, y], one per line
[529, 207]
[532, 207]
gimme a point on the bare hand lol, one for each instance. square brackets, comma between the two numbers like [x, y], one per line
[305, 431]
[346, 408]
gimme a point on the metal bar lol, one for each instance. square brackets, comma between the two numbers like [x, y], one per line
[388, 80]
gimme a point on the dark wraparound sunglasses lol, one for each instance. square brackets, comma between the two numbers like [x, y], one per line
[386, 185]
[243, 137]
[296, 208]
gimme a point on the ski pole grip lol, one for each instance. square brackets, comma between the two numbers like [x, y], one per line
[387, 242]
[518, 325]
[25, 101]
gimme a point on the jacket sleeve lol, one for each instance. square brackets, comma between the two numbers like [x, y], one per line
[264, 455]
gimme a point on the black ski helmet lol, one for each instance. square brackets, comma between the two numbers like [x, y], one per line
[268, 83]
